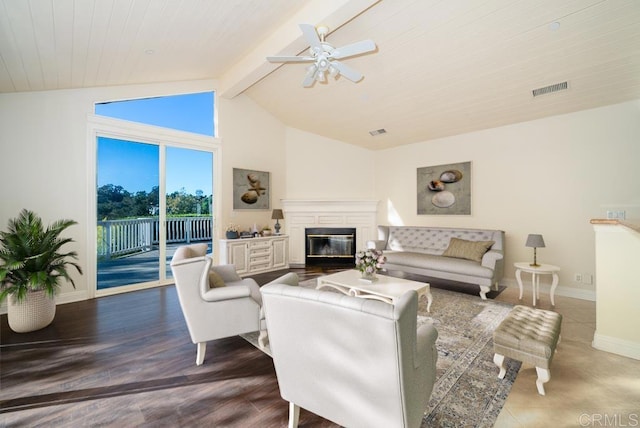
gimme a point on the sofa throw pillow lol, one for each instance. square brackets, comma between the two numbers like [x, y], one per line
[470, 250]
[215, 280]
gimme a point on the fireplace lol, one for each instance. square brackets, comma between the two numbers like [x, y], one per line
[330, 246]
[301, 214]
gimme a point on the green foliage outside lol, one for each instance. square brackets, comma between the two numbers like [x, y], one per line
[115, 203]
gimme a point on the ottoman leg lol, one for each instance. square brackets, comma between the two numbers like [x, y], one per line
[543, 377]
[499, 360]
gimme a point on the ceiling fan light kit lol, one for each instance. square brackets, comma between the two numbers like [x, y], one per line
[324, 57]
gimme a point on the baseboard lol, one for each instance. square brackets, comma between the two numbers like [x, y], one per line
[575, 293]
[61, 299]
[615, 345]
[74, 296]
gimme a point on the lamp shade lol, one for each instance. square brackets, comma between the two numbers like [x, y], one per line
[535, 241]
[277, 215]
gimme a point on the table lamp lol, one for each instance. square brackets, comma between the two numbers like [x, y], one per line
[277, 215]
[535, 241]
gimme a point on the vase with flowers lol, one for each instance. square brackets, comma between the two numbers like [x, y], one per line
[368, 262]
[232, 231]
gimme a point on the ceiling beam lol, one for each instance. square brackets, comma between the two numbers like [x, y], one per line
[288, 40]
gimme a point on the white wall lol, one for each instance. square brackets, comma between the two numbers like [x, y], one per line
[549, 176]
[251, 139]
[618, 273]
[43, 148]
[321, 168]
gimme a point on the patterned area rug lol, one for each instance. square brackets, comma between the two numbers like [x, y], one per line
[467, 390]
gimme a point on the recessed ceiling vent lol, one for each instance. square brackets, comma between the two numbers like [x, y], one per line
[549, 89]
[378, 132]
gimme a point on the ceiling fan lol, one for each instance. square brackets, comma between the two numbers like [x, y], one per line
[325, 57]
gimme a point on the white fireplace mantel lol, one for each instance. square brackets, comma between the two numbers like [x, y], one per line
[300, 214]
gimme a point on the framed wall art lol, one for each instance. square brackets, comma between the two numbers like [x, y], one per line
[444, 189]
[251, 190]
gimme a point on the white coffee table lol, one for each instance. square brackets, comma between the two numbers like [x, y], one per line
[386, 288]
[536, 271]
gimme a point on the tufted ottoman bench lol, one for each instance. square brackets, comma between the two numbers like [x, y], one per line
[528, 335]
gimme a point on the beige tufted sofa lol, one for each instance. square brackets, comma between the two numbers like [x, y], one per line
[429, 251]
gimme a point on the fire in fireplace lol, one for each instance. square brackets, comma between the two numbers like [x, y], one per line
[330, 246]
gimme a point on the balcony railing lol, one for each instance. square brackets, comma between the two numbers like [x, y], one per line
[122, 237]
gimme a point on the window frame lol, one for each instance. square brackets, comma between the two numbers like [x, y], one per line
[102, 126]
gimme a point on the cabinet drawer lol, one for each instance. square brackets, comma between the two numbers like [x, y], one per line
[259, 269]
[259, 244]
[254, 267]
[259, 252]
[260, 260]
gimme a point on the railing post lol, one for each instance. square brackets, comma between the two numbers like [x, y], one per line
[187, 230]
[107, 238]
[147, 236]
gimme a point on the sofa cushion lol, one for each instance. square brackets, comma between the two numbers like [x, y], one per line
[215, 280]
[469, 250]
[436, 263]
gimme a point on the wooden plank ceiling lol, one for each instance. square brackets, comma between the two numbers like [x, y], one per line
[442, 67]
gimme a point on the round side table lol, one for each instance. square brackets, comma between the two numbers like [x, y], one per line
[535, 272]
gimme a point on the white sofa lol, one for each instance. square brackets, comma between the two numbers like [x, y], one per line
[357, 362]
[446, 253]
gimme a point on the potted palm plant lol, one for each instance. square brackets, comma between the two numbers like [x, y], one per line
[31, 264]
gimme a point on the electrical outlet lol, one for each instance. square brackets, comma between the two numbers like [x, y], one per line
[577, 277]
[616, 215]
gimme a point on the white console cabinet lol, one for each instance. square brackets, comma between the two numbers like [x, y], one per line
[256, 255]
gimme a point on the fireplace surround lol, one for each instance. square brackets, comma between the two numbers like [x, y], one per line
[301, 214]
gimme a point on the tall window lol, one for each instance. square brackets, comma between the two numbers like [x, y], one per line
[154, 187]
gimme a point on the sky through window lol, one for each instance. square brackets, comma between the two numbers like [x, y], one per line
[120, 163]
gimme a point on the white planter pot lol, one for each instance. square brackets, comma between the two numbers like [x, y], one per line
[36, 311]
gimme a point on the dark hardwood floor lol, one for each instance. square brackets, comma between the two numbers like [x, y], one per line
[127, 360]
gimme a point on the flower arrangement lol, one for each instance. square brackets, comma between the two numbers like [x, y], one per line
[369, 261]
[232, 231]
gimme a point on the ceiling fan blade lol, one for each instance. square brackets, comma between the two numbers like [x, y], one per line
[357, 48]
[347, 71]
[289, 58]
[310, 33]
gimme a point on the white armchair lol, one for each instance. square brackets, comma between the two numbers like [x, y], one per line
[357, 362]
[219, 311]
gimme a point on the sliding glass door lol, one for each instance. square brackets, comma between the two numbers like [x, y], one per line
[189, 199]
[128, 182]
[150, 198]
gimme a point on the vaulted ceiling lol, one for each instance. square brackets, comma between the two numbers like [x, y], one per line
[442, 67]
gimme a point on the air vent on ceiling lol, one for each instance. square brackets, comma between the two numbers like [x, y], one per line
[378, 132]
[549, 89]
